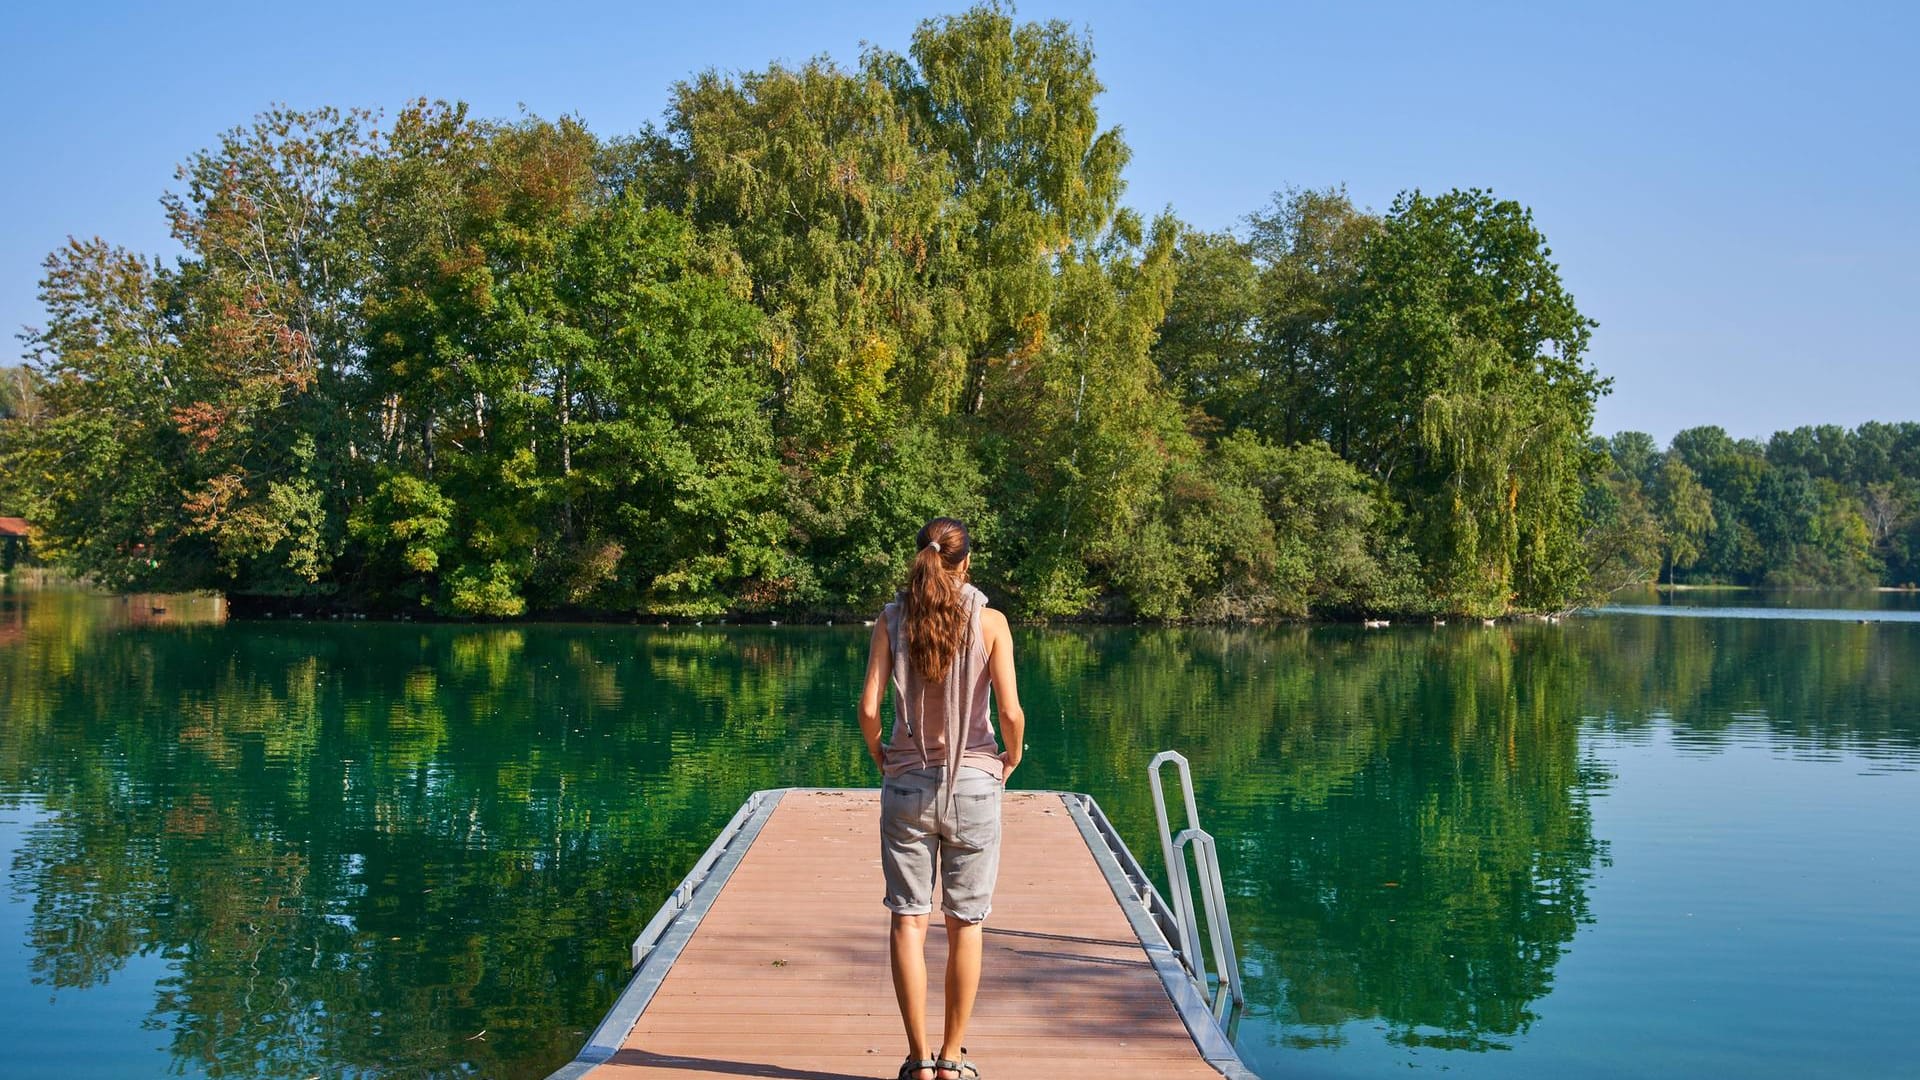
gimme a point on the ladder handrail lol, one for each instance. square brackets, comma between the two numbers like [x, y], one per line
[1206, 856]
[1177, 884]
[1213, 893]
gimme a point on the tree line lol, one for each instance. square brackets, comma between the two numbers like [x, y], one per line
[1815, 506]
[730, 362]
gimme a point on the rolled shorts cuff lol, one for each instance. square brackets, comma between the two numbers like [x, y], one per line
[975, 920]
[908, 909]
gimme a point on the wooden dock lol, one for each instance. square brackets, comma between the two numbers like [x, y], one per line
[771, 961]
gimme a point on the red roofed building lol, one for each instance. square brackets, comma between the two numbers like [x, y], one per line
[14, 533]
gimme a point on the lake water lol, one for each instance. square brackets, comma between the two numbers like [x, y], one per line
[1622, 844]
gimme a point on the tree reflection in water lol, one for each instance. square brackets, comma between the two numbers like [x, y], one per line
[1405, 815]
[355, 846]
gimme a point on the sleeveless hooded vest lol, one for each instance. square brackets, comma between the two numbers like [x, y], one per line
[949, 723]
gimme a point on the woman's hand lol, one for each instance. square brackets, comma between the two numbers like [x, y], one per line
[1009, 761]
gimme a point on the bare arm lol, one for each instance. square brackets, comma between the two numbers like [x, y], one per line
[879, 663]
[1013, 721]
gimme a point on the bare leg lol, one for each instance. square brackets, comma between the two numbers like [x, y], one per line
[907, 947]
[963, 981]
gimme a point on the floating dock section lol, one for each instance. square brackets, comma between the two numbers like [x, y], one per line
[771, 958]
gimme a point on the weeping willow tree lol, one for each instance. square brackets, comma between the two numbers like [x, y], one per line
[1508, 467]
[1480, 401]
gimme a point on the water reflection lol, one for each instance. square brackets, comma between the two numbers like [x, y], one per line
[356, 846]
[1811, 686]
[353, 847]
[1771, 603]
[1409, 835]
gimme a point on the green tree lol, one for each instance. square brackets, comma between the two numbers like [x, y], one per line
[1825, 451]
[1085, 431]
[1334, 549]
[852, 265]
[1312, 247]
[265, 309]
[468, 222]
[670, 457]
[573, 389]
[99, 470]
[1685, 512]
[20, 388]
[1008, 109]
[1636, 455]
[1730, 470]
[1208, 349]
[1474, 398]
[1622, 538]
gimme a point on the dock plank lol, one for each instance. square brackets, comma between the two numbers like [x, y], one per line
[786, 975]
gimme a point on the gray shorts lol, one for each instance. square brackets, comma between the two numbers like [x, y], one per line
[916, 832]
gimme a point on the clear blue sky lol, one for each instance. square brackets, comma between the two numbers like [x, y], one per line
[1729, 188]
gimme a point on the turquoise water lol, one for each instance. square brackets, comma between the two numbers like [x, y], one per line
[1616, 845]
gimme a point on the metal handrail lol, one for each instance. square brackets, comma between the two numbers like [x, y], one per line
[1213, 892]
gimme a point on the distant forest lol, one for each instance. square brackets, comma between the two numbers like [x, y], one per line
[1812, 507]
[731, 362]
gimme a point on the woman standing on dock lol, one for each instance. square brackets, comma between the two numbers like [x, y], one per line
[947, 656]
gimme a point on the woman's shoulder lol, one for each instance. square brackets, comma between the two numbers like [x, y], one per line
[993, 620]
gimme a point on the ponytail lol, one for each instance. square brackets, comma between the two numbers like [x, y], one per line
[936, 610]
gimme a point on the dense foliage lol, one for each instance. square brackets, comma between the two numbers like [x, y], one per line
[1815, 506]
[732, 362]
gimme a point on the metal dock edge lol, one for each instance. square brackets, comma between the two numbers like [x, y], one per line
[659, 945]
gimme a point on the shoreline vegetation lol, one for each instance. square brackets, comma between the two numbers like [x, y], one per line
[43, 579]
[436, 365]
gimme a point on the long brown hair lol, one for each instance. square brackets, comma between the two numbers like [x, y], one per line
[936, 610]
